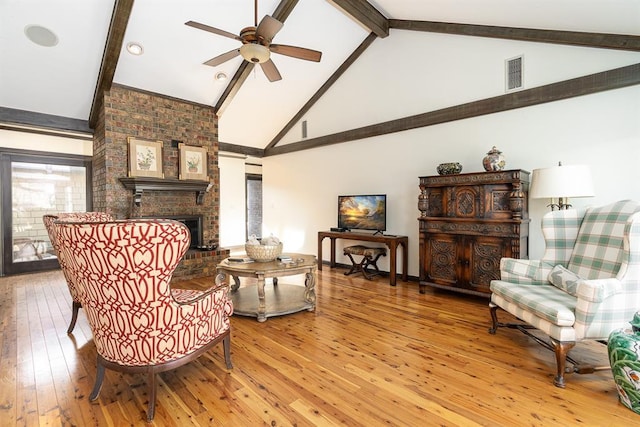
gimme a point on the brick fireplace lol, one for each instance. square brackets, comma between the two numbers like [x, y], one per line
[127, 112]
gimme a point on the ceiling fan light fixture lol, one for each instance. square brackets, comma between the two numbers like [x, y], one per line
[256, 53]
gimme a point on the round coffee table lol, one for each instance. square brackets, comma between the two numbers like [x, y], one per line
[275, 300]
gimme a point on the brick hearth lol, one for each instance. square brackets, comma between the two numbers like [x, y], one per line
[131, 113]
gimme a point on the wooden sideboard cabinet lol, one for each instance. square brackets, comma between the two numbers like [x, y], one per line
[468, 222]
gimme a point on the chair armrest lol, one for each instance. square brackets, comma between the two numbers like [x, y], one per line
[600, 308]
[524, 271]
[598, 290]
[191, 296]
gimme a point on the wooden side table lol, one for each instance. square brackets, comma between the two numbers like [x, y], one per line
[392, 242]
[277, 300]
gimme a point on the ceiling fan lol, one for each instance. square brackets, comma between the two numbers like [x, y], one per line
[256, 45]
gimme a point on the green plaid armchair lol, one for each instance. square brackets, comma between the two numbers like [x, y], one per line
[586, 285]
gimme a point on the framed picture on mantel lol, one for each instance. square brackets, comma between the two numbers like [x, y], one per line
[193, 162]
[145, 158]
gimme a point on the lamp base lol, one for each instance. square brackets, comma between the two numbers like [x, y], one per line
[561, 205]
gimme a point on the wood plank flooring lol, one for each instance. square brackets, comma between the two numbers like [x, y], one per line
[370, 355]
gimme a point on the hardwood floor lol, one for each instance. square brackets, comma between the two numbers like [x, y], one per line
[369, 355]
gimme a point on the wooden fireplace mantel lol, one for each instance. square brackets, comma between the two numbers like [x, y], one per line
[142, 184]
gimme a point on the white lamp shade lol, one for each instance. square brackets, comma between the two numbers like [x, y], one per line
[254, 52]
[562, 181]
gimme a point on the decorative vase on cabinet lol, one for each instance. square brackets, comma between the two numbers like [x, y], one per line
[624, 356]
[494, 160]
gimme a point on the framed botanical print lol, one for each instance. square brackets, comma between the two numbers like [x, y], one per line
[193, 162]
[145, 158]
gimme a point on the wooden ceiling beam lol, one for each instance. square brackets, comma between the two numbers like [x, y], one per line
[233, 87]
[586, 85]
[363, 12]
[323, 89]
[282, 12]
[574, 38]
[30, 121]
[113, 47]
[240, 149]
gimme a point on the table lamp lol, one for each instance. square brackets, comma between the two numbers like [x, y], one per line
[561, 182]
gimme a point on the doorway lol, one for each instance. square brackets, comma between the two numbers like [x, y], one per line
[254, 205]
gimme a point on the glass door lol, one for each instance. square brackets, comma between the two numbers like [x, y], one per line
[33, 186]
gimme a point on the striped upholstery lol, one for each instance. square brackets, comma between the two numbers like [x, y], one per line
[606, 259]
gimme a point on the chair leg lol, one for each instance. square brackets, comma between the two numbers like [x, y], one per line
[151, 386]
[74, 316]
[373, 262]
[494, 319]
[354, 266]
[561, 348]
[226, 343]
[98, 384]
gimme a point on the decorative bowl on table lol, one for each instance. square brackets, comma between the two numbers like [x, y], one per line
[263, 253]
[449, 168]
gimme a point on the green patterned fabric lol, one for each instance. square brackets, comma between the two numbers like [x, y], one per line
[560, 230]
[564, 279]
[547, 301]
[606, 259]
[524, 271]
[599, 247]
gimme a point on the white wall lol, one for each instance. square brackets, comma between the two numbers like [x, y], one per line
[301, 189]
[47, 143]
[601, 130]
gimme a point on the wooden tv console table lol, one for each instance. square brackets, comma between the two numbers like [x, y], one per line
[391, 241]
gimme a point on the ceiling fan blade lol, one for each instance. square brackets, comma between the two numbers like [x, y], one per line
[296, 52]
[213, 62]
[212, 30]
[268, 28]
[271, 71]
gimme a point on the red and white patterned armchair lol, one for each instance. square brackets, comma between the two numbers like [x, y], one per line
[122, 271]
[72, 217]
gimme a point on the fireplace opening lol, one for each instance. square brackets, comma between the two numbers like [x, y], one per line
[193, 223]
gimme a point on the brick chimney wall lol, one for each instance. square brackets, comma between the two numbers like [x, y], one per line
[132, 113]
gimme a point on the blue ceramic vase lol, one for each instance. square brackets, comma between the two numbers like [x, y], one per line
[624, 356]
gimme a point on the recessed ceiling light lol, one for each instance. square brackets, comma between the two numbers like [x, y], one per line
[135, 48]
[40, 35]
[221, 76]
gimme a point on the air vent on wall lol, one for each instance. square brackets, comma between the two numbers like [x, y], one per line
[514, 71]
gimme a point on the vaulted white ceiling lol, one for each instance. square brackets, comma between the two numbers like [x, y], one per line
[61, 80]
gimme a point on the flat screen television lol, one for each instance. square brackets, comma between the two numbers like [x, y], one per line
[363, 212]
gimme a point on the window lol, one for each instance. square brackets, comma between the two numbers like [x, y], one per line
[34, 185]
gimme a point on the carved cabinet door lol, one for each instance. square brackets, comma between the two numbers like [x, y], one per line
[482, 261]
[442, 259]
[468, 262]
